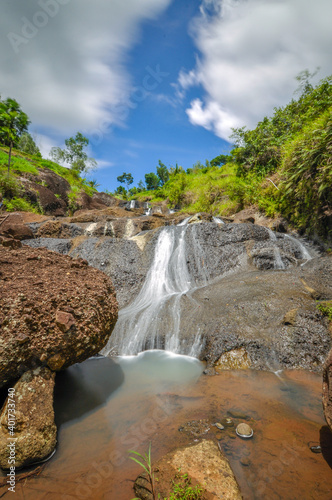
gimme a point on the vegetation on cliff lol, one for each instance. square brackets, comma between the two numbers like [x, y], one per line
[283, 167]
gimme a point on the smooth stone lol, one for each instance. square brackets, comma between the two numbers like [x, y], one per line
[228, 422]
[219, 426]
[245, 461]
[244, 430]
[237, 414]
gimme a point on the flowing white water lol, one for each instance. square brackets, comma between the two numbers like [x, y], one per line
[167, 281]
[305, 255]
[217, 220]
[278, 263]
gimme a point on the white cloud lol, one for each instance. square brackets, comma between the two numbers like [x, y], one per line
[69, 72]
[251, 51]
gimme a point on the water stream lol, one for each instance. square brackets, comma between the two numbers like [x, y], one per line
[107, 407]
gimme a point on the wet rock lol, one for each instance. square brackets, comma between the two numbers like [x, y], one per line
[244, 430]
[290, 317]
[237, 414]
[327, 390]
[35, 430]
[219, 426]
[196, 427]
[58, 245]
[245, 461]
[279, 225]
[227, 422]
[205, 465]
[64, 309]
[236, 359]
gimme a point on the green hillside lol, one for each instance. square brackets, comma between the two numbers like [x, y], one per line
[25, 166]
[282, 167]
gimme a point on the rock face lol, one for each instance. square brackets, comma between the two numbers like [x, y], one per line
[34, 429]
[243, 299]
[54, 311]
[205, 465]
[327, 390]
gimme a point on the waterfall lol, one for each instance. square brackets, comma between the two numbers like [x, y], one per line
[157, 309]
[278, 263]
[132, 204]
[305, 255]
[217, 220]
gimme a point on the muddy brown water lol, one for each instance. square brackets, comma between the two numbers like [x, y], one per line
[107, 407]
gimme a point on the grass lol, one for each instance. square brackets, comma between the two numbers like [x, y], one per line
[326, 309]
[12, 190]
[216, 190]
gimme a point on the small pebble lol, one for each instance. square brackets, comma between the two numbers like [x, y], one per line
[228, 422]
[245, 461]
[219, 426]
[244, 430]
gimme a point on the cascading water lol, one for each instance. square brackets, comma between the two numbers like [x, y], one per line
[278, 263]
[217, 220]
[305, 255]
[158, 303]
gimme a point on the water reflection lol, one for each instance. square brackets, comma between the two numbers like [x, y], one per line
[84, 387]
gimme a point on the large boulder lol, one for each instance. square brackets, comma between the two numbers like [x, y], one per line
[202, 464]
[327, 390]
[28, 434]
[54, 311]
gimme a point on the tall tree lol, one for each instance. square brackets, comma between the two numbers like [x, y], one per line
[162, 172]
[125, 179]
[74, 154]
[13, 122]
[27, 144]
[151, 181]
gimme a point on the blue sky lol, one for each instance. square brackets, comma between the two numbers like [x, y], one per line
[156, 79]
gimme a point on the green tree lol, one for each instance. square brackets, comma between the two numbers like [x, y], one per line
[220, 160]
[152, 181]
[13, 122]
[28, 145]
[74, 154]
[125, 179]
[162, 172]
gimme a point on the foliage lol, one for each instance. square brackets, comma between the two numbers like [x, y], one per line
[162, 173]
[146, 465]
[74, 154]
[220, 160]
[26, 144]
[151, 181]
[186, 491]
[19, 204]
[260, 150]
[13, 122]
[326, 309]
[9, 186]
[307, 175]
[125, 179]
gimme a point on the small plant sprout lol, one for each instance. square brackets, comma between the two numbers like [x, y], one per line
[145, 463]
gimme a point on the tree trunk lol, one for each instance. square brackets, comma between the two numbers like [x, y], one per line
[10, 155]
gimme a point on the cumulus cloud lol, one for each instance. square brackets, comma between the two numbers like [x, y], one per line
[63, 60]
[250, 53]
